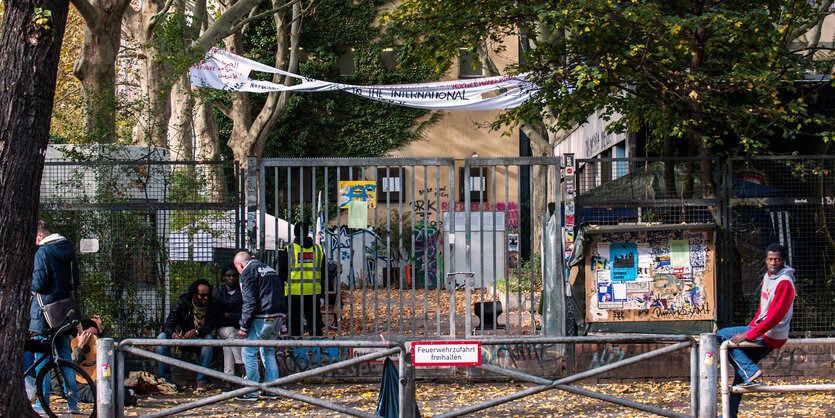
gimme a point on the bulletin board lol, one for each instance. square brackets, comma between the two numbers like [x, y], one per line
[666, 273]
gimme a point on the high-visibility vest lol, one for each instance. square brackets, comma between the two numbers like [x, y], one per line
[305, 270]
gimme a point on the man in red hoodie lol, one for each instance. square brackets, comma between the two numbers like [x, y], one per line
[770, 327]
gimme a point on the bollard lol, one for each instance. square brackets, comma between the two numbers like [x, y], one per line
[707, 375]
[104, 378]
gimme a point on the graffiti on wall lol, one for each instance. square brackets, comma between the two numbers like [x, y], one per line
[356, 252]
[520, 356]
[364, 191]
[429, 256]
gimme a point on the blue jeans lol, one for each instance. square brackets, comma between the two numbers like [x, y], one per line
[744, 361]
[62, 345]
[261, 329]
[205, 358]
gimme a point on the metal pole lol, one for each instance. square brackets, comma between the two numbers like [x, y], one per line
[119, 381]
[407, 385]
[694, 379]
[401, 394]
[723, 369]
[104, 378]
[707, 373]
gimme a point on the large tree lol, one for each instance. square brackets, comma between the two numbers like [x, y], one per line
[30, 44]
[700, 74]
[95, 67]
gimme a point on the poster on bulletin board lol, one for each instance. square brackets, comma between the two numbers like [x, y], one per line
[650, 275]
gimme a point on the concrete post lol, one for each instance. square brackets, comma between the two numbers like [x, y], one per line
[707, 375]
[105, 378]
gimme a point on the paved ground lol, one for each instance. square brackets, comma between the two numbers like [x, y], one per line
[435, 398]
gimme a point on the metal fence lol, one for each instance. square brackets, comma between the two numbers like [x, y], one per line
[788, 200]
[753, 201]
[435, 223]
[401, 231]
[146, 230]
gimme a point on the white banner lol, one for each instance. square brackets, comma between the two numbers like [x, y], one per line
[226, 71]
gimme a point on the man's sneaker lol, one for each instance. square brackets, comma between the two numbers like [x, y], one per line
[202, 387]
[269, 395]
[251, 396]
[75, 411]
[751, 383]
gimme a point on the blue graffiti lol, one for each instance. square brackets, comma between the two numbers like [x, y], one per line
[357, 252]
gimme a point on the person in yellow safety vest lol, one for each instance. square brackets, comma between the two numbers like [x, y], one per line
[302, 269]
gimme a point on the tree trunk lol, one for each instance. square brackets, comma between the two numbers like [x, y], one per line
[669, 169]
[152, 109]
[250, 140]
[30, 44]
[206, 135]
[180, 134]
[95, 67]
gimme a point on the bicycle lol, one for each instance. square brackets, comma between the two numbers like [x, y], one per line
[47, 346]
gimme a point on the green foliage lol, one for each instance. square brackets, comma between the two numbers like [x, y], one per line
[717, 75]
[337, 124]
[520, 278]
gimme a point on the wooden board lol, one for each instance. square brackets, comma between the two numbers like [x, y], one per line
[671, 294]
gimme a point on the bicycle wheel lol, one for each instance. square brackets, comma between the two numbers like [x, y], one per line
[83, 383]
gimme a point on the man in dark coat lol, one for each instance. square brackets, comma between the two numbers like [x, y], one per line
[263, 306]
[55, 278]
[193, 316]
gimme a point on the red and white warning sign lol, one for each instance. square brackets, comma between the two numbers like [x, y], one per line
[446, 353]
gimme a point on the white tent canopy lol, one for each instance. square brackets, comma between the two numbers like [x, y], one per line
[218, 231]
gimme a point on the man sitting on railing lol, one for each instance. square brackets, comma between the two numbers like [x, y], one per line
[770, 327]
[193, 316]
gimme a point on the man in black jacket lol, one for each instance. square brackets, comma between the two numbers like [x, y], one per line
[54, 278]
[263, 305]
[193, 316]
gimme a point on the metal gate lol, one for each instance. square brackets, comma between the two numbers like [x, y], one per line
[420, 244]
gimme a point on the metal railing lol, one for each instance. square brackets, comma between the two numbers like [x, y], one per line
[111, 390]
[727, 390]
[678, 342]
[111, 361]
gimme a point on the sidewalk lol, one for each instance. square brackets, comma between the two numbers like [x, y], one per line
[436, 398]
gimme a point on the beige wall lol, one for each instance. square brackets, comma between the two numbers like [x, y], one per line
[460, 134]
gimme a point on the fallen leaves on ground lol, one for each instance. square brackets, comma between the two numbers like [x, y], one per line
[436, 398]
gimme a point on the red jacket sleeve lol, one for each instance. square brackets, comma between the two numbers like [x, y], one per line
[777, 310]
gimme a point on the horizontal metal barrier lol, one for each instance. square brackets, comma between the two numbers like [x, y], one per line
[128, 346]
[727, 389]
[678, 342]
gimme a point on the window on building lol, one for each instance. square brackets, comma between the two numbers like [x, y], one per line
[345, 62]
[389, 57]
[479, 184]
[467, 68]
[389, 184]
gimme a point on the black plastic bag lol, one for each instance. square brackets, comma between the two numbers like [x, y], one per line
[388, 402]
